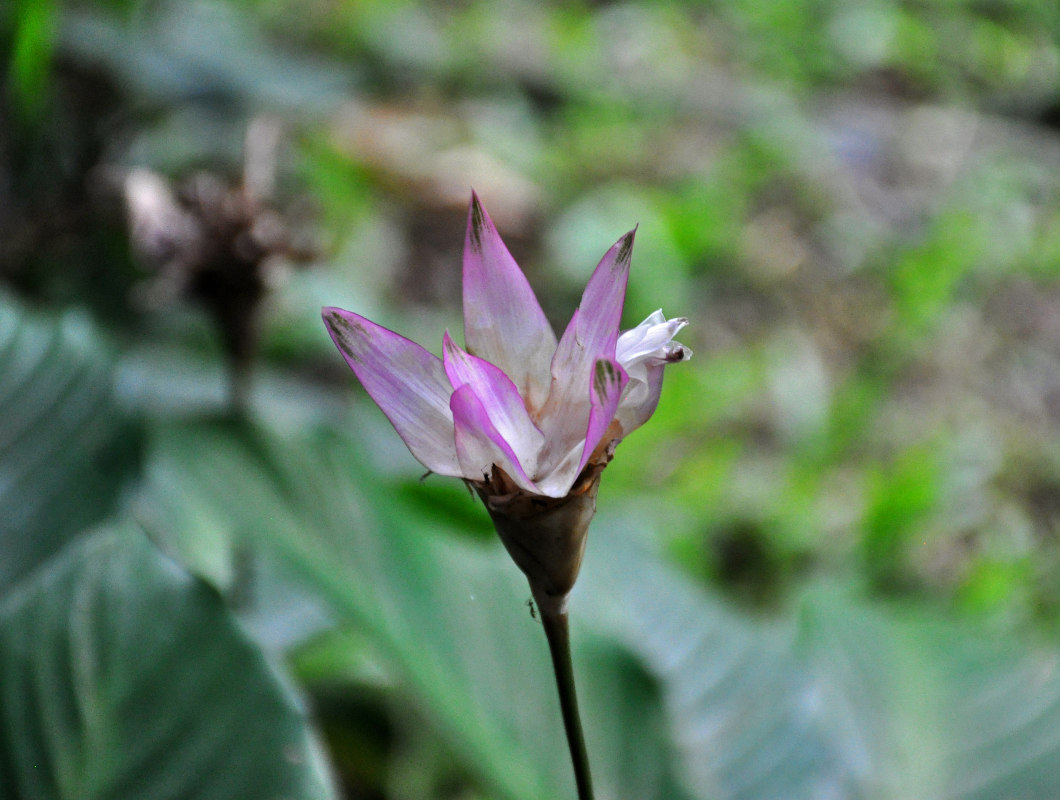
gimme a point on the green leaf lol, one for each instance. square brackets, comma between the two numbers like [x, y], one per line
[738, 705]
[30, 66]
[66, 450]
[926, 278]
[899, 500]
[123, 676]
[849, 699]
[946, 709]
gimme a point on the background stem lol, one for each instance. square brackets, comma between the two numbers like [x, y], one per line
[558, 633]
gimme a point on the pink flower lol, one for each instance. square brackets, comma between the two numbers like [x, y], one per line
[527, 421]
[515, 399]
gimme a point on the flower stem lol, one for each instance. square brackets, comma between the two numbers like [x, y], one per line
[557, 631]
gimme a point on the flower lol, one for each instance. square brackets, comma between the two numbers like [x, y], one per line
[527, 421]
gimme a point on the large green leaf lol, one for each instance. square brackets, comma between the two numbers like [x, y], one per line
[848, 699]
[123, 676]
[961, 715]
[743, 716]
[447, 615]
[65, 448]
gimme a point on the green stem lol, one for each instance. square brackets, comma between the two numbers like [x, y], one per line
[557, 631]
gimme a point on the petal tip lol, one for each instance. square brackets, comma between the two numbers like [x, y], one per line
[678, 354]
[478, 223]
[449, 347]
[624, 248]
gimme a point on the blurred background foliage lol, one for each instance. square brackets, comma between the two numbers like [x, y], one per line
[828, 567]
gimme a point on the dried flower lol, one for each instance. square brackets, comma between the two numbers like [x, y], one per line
[215, 242]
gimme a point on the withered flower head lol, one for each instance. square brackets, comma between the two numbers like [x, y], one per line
[212, 241]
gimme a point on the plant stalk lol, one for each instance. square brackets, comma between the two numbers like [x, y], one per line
[557, 631]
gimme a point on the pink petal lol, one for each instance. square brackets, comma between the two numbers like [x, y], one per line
[479, 446]
[590, 336]
[609, 379]
[406, 382]
[503, 322]
[500, 398]
[601, 306]
[605, 392]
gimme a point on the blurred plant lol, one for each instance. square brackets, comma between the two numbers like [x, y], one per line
[527, 422]
[214, 242]
[31, 55]
[57, 122]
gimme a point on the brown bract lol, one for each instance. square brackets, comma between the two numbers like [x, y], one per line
[545, 536]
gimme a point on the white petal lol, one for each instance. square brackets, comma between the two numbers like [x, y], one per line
[644, 352]
[558, 482]
[648, 340]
